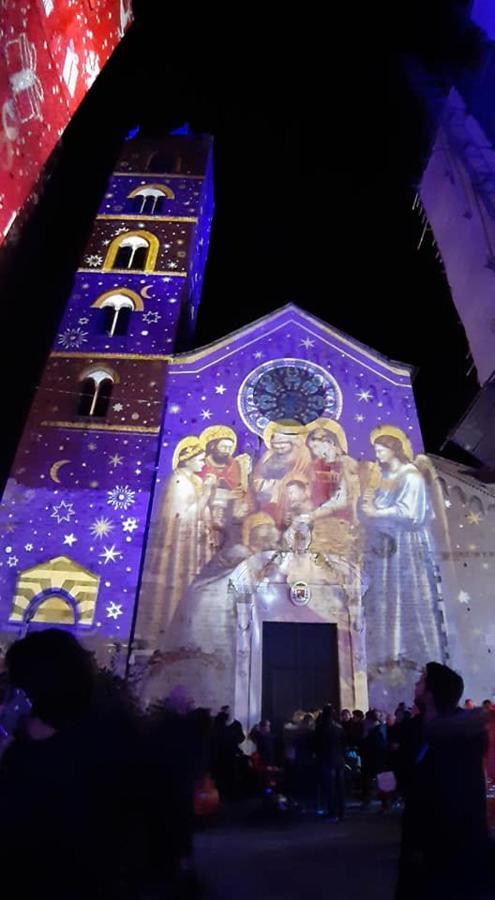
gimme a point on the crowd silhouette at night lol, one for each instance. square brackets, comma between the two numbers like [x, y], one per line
[99, 798]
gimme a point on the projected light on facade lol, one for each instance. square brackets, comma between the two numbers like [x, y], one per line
[51, 53]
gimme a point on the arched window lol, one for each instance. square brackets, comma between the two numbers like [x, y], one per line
[149, 201]
[95, 393]
[164, 162]
[132, 253]
[149, 204]
[149, 198]
[116, 311]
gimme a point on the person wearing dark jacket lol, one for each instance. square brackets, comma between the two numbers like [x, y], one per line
[68, 819]
[444, 830]
[263, 739]
[304, 780]
[374, 752]
[330, 752]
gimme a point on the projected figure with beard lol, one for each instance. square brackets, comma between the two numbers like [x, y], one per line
[228, 502]
[287, 459]
[402, 614]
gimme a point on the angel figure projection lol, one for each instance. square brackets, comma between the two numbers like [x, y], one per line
[181, 542]
[402, 604]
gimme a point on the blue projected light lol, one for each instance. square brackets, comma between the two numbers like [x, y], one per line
[483, 13]
[184, 129]
[132, 133]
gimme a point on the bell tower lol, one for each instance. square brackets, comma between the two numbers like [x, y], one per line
[74, 514]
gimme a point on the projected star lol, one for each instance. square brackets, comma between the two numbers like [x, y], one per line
[70, 539]
[110, 554]
[151, 318]
[101, 527]
[114, 610]
[359, 417]
[220, 389]
[473, 518]
[116, 460]
[364, 395]
[129, 524]
[73, 338]
[63, 512]
[307, 343]
[121, 497]
[206, 414]
[94, 259]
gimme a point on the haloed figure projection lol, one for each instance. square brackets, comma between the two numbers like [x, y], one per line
[181, 543]
[402, 611]
[335, 487]
[229, 476]
[286, 459]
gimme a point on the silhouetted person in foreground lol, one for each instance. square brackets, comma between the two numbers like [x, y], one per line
[67, 828]
[373, 752]
[444, 838]
[227, 758]
[175, 760]
[305, 783]
[263, 739]
[330, 747]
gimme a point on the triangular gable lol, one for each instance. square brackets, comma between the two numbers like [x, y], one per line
[59, 563]
[311, 328]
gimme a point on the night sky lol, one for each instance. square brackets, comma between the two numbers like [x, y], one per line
[320, 142]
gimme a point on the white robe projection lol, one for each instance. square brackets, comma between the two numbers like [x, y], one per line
[402, 603]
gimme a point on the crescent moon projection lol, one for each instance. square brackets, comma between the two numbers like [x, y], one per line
[54, 469]
[143, 291]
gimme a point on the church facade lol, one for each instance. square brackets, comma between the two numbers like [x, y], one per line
[255, 520]
[292, 489]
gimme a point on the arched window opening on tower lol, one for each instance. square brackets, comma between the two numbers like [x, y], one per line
[132, 253]
[149, 204]
[149, 201]
[95, 393]
[163, 162]
[116, 311]
[150, 198]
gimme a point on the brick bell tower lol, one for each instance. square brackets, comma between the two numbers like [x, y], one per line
[74, 514]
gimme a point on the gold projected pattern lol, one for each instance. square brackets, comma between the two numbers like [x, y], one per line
[302, 495]
[53, 583]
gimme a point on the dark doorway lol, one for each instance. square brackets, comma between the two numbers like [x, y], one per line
[300, 668]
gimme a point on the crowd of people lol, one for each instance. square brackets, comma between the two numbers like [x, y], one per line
[98, 799]
[327, 759]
